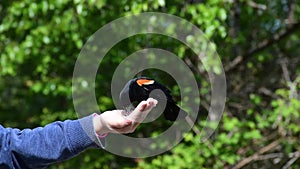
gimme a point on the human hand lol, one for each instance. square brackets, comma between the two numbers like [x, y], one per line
[115, 122]
[141, 111]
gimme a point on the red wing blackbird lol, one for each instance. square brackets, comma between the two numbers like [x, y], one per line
[139, 89]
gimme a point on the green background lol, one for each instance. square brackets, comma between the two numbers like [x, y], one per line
[257, 41]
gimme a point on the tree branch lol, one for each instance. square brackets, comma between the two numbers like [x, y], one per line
[291, 12]
[257, 5]
[269, 156]
[263, 45]
[256, 156]
[293, 159]
[275, 39]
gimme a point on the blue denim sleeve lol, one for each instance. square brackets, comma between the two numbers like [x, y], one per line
[39, 147]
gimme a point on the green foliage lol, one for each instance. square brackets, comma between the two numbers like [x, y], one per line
[40, 42]
[234, 134]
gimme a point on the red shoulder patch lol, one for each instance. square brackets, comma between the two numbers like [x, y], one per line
[141, 82]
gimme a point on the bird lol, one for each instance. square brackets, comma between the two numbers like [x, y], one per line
[139, 89]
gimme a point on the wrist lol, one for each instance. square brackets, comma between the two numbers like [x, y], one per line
[99, 127]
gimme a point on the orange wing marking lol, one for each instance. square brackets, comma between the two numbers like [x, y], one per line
[141, 82]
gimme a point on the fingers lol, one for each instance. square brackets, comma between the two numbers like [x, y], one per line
[122, 124]
[146, 105]
[126, 129]
[116, 122]
[142, 110]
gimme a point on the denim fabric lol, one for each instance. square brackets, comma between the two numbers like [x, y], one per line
[39, 147]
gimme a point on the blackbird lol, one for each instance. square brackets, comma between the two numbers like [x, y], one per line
[139, 89]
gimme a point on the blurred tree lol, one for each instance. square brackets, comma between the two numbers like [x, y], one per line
[258, 42]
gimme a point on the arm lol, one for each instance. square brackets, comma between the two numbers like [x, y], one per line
[39, 147]
[42, 146]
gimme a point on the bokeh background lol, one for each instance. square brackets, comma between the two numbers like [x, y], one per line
[257, 41]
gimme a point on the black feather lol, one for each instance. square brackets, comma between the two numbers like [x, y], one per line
[133, 92]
